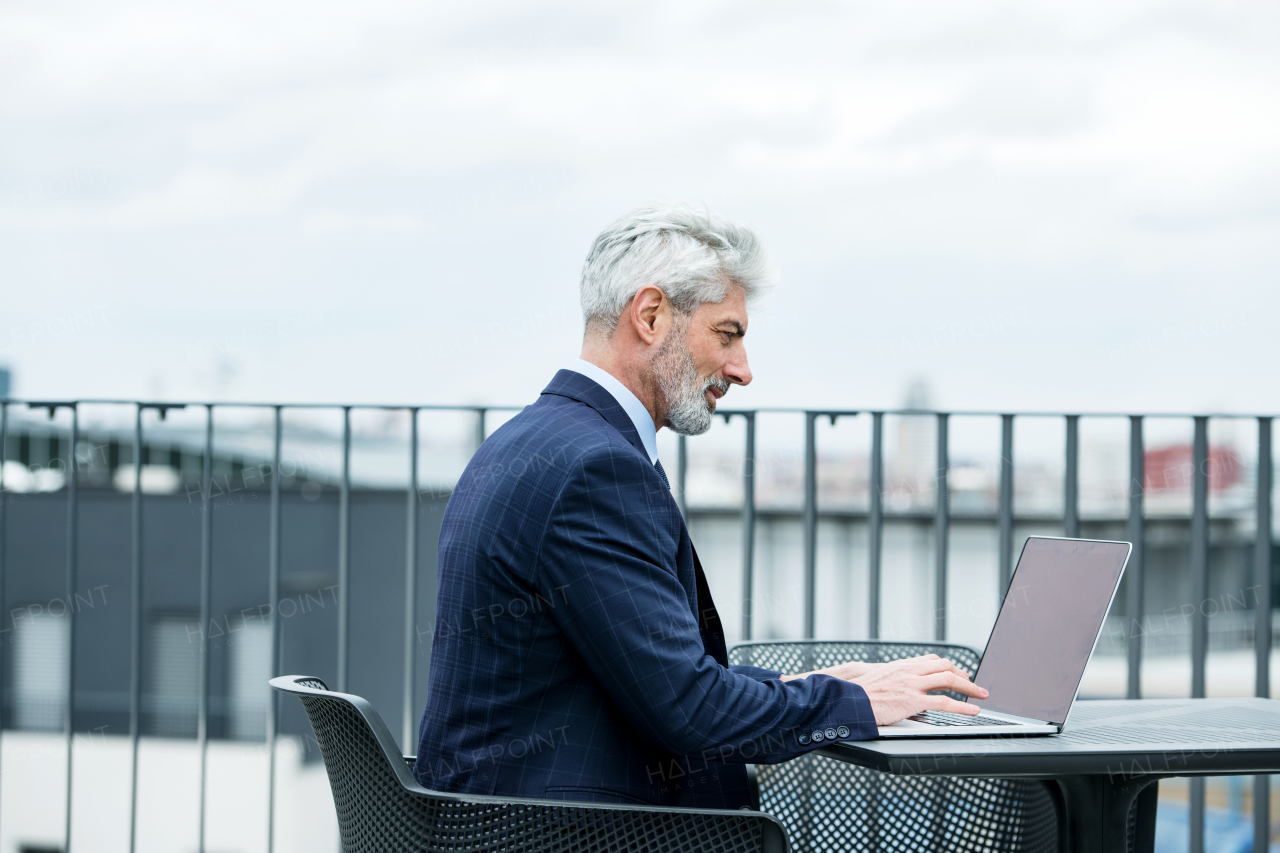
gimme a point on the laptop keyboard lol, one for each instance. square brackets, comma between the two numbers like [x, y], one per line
[945, 718]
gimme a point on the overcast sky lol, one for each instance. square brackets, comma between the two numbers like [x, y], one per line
[1057, 206]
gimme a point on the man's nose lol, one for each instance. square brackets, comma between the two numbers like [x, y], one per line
[737, 370]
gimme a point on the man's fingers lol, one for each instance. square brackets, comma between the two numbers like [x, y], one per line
[932, 664]
[902, 663]
[946, 703]
[951, 681]
[938, 681]
[968, 688]
[913, 679]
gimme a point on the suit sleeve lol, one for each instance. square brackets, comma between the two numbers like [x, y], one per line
[610, 546]
[758, 673]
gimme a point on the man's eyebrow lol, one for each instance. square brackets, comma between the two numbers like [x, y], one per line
[737, 327]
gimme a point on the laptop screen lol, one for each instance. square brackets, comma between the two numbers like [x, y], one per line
[1048, 624]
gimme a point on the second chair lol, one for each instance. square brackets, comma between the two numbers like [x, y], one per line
[827, 805]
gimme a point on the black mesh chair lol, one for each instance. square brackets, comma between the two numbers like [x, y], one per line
[382, 808]
[827, 805]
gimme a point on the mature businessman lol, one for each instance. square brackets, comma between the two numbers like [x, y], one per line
[577, 653]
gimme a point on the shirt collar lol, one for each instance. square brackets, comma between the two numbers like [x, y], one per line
[629, 402]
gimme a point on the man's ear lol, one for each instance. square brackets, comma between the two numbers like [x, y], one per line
[649, 310]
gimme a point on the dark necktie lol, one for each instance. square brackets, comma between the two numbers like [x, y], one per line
[662, 474]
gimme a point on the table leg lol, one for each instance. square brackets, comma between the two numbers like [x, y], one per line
[1096, 818]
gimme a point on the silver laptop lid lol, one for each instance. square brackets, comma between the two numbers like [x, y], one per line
[1048, 625]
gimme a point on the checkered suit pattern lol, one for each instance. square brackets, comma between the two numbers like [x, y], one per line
[577, 653]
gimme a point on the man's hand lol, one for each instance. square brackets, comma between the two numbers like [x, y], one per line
[845, 671]
[902, 688]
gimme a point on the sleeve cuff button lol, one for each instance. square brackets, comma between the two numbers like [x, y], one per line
[843, 731]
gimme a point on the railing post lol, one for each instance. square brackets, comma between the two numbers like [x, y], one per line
[810, 525]
[344, 549]
[1137, 559]
[73, 526]
[4, 500]
[941, 532]
[411, 592]
[1071, 481]
[748, 523]
[273, 583]
[1200, 555]
[1005, 521]
[1200, 593]
[875, 524]
[135, 633]
[1262, 623]
[206, 590]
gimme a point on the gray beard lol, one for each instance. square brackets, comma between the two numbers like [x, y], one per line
[688, 412]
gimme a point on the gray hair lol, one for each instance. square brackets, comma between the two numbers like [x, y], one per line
[693, 257]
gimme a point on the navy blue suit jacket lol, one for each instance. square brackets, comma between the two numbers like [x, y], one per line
[577, 653]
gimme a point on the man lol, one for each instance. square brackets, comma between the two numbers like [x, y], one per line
[577, 653]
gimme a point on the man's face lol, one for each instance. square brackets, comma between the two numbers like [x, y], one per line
[716, 333]
[702, 356]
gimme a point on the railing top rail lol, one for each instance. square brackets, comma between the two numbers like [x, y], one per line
[476, 407]
[989, 413]
[238, 404]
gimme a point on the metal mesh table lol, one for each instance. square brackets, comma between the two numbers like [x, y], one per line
[1111, 755]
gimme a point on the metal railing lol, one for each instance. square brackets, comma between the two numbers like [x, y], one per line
[876, 517]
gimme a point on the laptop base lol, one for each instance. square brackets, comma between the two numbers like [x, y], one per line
[910, 728]
[991, 726]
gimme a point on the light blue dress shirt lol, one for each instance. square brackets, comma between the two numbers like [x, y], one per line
[629, 402]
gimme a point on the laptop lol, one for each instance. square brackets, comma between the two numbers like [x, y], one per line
[1049, 622]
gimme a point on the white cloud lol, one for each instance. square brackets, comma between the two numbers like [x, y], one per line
[926, 159]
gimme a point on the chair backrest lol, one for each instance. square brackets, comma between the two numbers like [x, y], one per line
[829, 805]
[370, 780]
[381, 807]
